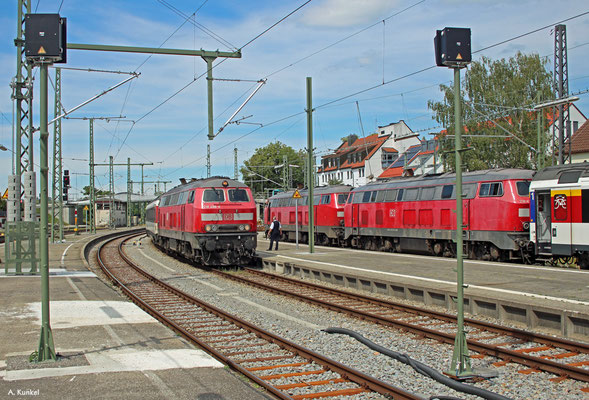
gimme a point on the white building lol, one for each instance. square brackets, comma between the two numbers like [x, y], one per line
[358, 161]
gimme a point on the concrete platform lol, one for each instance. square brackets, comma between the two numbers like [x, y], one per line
[109, 348]
[552, 300]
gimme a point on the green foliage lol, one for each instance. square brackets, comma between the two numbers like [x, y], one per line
[97, 192]
[494, 93]
[353, 138]
[259, 172]
[335, 182]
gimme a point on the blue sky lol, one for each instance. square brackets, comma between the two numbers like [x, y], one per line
[173, 135]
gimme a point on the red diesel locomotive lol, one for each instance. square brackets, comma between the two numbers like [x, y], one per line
[328, 211]
[418, 214]
[211, 221]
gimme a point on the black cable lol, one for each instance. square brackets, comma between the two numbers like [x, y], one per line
[276, 23]
[421, 367]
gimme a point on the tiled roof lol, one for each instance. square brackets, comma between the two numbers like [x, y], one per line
[392, 172]
[389, 150]
[580, 139]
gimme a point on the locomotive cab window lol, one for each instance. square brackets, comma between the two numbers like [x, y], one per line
[191, 197]
[341, 198]
[523, 188]
[325, 199]
[213, 195]
[238, 195]
[494, 189]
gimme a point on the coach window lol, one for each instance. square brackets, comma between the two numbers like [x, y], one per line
[569, 177]
[523, 188]
[213, 195]
[494, 189]
[238, 195]
[191, 197]
[448, 192]
[341, 198]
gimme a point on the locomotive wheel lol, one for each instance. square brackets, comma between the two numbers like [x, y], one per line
[495, 252]
[438, 248]
[583, 260]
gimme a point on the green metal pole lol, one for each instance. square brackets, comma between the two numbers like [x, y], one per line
[208, 161]
[310, 157]
[143, 203]
[460, 366]
[209, 61]
[92, 210]
[235, 170]
[46, 348]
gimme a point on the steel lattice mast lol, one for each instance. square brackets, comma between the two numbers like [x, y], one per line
[561, 115]
[57, 186]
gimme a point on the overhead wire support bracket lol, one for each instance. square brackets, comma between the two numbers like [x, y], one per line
[135, 75]
[261, 82]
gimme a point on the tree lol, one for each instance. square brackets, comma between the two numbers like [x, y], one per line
[259, 171]
[97, 192]
[497, 93]
[333, 182]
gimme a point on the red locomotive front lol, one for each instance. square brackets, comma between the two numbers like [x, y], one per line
[211, 221]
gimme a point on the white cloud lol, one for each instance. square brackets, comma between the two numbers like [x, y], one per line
[344, 13]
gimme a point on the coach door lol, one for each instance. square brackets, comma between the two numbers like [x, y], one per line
[561, 222]
[543, 222]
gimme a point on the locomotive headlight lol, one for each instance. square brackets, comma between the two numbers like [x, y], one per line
[208, 228]
[247, 227]
[526, 225]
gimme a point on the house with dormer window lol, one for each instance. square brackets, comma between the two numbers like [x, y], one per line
[358, 161]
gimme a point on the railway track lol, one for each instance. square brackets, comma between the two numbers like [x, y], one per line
[562, 357]
[285, 369]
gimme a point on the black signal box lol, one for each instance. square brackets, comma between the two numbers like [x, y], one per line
[45, 38]
[452, 47]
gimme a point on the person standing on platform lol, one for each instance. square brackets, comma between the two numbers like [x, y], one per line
[275, 233]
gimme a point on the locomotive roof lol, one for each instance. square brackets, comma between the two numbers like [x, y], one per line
[450, 178]
[214, 181]
[316, 191]
[554, 172]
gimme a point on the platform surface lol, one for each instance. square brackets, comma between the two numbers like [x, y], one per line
[109, 347]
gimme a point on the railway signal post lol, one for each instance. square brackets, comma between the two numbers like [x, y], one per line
[45, 44]
[452, 47]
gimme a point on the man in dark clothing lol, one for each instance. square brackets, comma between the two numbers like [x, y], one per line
[275, 233]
